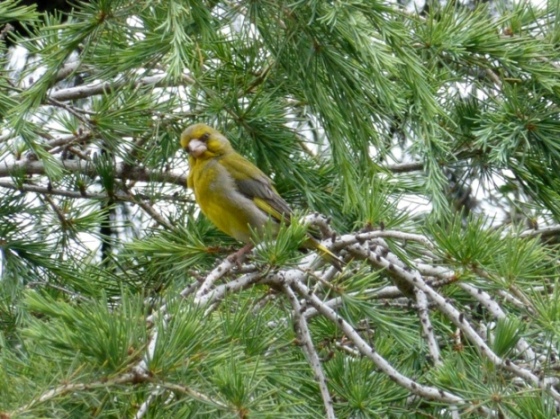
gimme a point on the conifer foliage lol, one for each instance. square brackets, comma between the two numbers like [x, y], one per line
[424, 146]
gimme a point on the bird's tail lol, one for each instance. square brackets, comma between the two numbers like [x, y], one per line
[325, 253]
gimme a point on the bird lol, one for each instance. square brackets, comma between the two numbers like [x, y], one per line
[233, 193]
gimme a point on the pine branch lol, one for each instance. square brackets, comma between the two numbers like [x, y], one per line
[150, 211]
[304, 337]
[121, 171]
[422, 302]
[405, 167]
[93, 89]
[377, 258]
[118, 196]
[128, 378]
[546, 231]
[367, 246]
[362, 346]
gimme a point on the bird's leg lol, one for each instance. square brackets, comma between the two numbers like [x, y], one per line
[238, 256]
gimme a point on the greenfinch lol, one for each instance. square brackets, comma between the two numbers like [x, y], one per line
[232, 192]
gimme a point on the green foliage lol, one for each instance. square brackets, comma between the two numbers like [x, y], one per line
[364, 393]
[279, 246]
[385, 121]
[168, 255]
[105, 337]
[469, 245]
[10, 11]
[548, 308]
[506, 335]
[376, 204]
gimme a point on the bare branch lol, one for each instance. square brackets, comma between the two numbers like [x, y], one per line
[117, 196]
[151, 212]
[92, 89]
[83, 137]
[293, 278]
[405, 167]
[427, 328]
[66, 70]
[232, 286]
[122, 171]
[128, 378]
[543, 232]
[304, 337]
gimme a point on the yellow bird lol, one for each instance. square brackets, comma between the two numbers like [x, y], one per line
[232, 192]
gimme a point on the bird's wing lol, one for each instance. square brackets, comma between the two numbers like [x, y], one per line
[255, 185]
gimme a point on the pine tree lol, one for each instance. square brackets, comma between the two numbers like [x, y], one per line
[424, 146]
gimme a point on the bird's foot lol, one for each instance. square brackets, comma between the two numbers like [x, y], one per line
[239, 256]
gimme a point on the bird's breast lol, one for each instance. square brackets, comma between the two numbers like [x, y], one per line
[220, 201]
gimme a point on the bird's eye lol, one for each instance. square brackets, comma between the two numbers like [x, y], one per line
[204, 137]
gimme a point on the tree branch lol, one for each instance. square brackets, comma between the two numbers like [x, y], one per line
[92, 89]
[306, 341]
[414, 279]
[121, 171]
[427, 328]
[293, 278]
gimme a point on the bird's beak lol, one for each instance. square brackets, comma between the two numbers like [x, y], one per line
[196, 148]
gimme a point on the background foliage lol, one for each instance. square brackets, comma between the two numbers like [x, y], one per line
[429, 137]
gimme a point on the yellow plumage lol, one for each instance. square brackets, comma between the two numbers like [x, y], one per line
[231, 191]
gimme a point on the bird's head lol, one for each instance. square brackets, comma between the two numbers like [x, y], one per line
[204, 142]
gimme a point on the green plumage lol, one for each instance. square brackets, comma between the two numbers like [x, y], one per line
[231, 191]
